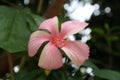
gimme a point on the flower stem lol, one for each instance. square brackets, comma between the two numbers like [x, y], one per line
[10, 62]
[22, 62]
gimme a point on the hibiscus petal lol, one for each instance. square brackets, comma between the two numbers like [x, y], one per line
[36, 40]
[50, 57]
[76, 51]
[51, 25]
[71, 27]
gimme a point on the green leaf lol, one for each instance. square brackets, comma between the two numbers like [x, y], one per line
[112, 38]
[33, 21]
[108, 74]
[98, 31]
[103, 73]
[15, 29]
[37, 18]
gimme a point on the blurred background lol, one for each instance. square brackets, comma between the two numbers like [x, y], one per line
[19, 18]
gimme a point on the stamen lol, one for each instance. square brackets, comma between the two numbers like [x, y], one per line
[59, 42]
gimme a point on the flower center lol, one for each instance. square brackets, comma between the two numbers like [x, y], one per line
[59, 42]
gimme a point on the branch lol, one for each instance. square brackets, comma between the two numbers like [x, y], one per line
[11, 4]
[39, 6]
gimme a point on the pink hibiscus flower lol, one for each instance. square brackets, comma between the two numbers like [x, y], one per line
[50, 57]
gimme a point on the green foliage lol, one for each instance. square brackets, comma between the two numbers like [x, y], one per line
[36, 74]
[106, 38]
[99, 31]
[103, 73]
[92, 65]
[57, 75]
[76, 77]
[15, 28]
